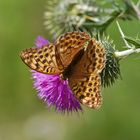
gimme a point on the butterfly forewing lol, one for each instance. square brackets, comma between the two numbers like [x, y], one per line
[68, 45]
[85, 79]
[41, 59]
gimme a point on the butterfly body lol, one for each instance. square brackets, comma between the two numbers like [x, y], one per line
[76, 58]
[69, 70]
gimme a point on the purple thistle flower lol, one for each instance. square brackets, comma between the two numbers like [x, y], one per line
[54, 91]
[40, 42]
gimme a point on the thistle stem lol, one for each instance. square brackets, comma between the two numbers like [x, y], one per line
[126, 52]
[122, 34]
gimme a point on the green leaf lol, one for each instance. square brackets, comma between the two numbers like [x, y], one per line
[133, 41]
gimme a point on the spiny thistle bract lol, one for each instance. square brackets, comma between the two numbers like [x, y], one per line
[111, 72]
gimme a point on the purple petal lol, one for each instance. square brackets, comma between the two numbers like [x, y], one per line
[55, 92]
[40, 42]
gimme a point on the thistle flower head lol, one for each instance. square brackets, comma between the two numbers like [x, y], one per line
[52, 90]
[68, 15]
[111, 71]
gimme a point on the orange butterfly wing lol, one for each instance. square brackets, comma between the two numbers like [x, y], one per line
[54, 58]
[85, 79]
[41, 59]
[68, 45]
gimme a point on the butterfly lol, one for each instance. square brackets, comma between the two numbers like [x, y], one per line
[76, 57]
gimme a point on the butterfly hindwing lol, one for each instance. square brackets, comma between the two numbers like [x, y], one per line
[85, 79]
[87, 90]
[41, 59]
[69, 44]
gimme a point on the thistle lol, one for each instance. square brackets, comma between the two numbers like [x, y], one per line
[85, 58]
[64, 15]
[111, 72]
[52, 90]
[93, 18]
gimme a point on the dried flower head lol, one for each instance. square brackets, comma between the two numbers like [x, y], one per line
[67, 15]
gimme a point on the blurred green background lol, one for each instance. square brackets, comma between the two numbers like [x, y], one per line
[24, 117]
